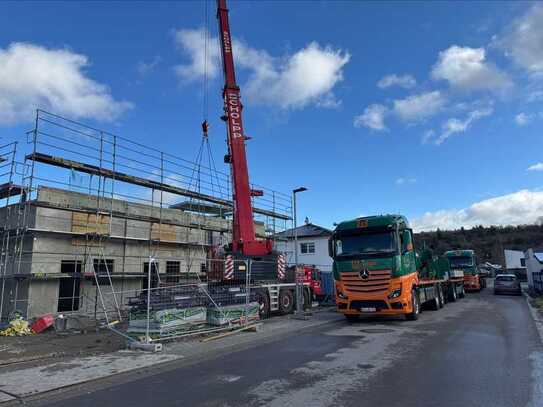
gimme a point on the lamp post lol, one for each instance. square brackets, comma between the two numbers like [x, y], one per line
[299, 284]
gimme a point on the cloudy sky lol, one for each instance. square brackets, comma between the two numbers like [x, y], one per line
[430, 109]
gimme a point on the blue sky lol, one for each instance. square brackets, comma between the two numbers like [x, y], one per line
[430, 109]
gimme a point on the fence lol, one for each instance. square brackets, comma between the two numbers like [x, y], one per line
[200, 304]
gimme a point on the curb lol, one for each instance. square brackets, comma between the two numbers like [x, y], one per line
[536, 316]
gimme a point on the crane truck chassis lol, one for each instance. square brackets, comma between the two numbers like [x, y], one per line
[379, 272]
[274, 294]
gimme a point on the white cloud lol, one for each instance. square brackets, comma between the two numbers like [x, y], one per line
[536, 167]
[407, 180]
[404, 81]
[307, 76]
[192, 42]
[33, 77]
[522, 119]
[373, 118]
[466, 68]
[453, 125]
[524, 40]
[145, 67]
[518, 208]
[418, 107]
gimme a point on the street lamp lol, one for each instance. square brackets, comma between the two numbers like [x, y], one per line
[299, 284]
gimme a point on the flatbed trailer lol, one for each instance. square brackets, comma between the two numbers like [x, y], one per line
[437, 292]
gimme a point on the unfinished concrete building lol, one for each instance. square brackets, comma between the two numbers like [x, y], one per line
[91, 245]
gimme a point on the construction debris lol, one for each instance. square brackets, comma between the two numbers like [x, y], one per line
[42, 323]
[17, 327]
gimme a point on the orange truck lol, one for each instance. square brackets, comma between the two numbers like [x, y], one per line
[465, 261]
[378, 270]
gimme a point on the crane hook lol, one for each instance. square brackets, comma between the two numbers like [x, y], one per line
[205, 127]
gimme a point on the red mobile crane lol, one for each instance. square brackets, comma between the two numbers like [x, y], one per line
[273, 285]
[244, 239]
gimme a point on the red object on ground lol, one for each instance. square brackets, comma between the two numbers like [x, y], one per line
[42, 323]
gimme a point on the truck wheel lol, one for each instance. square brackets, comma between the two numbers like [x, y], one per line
[434, 305]
[352, 318]
[415, 305]
[452, 294]
[263, 304]
[462, 293]
[440, 295]
[286, 302]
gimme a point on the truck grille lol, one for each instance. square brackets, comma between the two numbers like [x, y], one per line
[378, 280]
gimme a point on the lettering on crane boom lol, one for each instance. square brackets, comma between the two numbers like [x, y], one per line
[226, 41]
[234, 113]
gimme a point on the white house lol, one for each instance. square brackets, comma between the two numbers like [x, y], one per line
[534, 266]
[312, 245]
[515, 262]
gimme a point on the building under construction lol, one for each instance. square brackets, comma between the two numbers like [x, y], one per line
[87, 213]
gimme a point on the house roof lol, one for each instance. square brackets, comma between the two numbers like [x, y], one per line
[307, 230]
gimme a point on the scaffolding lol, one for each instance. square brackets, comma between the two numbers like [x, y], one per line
[158, 215]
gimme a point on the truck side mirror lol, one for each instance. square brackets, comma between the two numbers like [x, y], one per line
[331, 247]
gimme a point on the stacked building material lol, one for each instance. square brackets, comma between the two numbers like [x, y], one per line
[167, 321]
[233, 314]
[168, 298]
[224, 295]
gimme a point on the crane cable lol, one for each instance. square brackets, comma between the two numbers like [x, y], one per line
[205, 145]
[205, 106]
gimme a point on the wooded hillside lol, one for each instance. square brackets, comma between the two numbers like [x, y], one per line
[488, 242]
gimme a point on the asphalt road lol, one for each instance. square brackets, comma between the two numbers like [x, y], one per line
[480, 351]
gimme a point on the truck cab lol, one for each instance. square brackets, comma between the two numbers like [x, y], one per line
[375, 266]
[466, 262]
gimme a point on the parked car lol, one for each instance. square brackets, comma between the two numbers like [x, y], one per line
[507, 284]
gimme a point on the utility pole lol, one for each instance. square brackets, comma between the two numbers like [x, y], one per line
[299, 276]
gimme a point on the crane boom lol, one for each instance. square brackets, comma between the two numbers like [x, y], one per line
[244, 237]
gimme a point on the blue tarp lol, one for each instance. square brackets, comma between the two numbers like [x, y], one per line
[327, 283]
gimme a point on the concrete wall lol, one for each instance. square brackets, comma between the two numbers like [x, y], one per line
[42, 297]
[124, 290]
[72, 200]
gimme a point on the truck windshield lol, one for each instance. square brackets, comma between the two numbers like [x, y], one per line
[461, 261]
[366, 244]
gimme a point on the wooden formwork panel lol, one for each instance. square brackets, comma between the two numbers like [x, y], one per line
[90, 223]
[163, 232]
